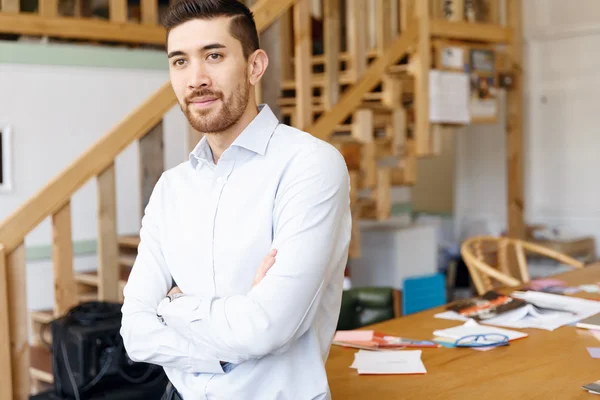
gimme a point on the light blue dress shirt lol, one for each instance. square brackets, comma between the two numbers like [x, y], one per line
[208, 227]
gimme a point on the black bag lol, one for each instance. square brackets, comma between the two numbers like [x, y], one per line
[89, 359]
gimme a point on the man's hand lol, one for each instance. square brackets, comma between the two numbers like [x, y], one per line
[173, 291]
[265, 265]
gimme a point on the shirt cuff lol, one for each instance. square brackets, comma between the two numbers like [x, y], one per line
[196, 366]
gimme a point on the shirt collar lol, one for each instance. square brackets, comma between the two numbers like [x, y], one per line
[255, 137]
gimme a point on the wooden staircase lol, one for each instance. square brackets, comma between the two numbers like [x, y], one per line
[370, 103]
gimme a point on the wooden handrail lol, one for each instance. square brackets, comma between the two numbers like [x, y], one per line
[5, 358]
[96, 159]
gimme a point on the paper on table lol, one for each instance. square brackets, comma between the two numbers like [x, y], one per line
[389, 362]
[594, 352]
[353, 336]
[473, 328]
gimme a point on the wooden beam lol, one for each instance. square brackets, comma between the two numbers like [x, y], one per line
[149, 12]
[470, 31]
[65, 290]
[398, 130]
[383, 26]
[97, 158]
[363, 126]
[19, 333]
[356, 34]
[383, 194]
[368, 164]
[286, 45]
[48, 8]
[303, 53]
[352, 97]
[108, 241]
[514, 125]
[10, 6]
[152, 163]
[331, 38]
[422, 63]
[117, 9]
[6, 391]
[354, 250]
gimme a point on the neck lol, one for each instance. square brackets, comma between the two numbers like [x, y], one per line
[219, 142]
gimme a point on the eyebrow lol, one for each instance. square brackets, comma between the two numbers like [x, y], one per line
[211, 46]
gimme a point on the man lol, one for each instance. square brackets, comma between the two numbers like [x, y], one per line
[252, 188]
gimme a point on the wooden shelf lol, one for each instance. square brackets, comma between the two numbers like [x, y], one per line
[476, 32]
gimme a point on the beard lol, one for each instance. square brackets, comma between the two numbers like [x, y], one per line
[218, 119]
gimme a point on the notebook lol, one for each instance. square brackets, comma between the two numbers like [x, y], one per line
[592, 322]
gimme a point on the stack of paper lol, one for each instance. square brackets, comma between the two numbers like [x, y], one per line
[544, 311]
[471, 327]
[389, 362]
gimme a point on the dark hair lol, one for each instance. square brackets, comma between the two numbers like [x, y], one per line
[242, 26]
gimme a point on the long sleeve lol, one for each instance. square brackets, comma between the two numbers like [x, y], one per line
[312, 227]
[145, 338]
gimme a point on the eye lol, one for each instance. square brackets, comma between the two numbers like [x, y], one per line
[179, 62]
[214, 56]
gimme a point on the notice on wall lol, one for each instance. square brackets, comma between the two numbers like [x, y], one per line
[449, 97]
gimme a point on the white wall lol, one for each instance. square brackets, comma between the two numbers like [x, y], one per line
[57, 113]
[562, 69]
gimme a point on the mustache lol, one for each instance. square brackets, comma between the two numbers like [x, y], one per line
[203, 93]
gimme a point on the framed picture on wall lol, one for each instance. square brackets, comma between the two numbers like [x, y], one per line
[5, 158]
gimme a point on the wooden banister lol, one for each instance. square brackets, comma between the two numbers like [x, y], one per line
[5, 353]
[65, 291]
[108, 245]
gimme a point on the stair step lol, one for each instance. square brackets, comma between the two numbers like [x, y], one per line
[129, 241]
[42, 316]
[91, 278]
[41, 363]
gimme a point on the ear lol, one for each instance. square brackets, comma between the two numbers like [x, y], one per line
[257, 65]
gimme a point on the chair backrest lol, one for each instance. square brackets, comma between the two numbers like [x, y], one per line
[423, 292]
[486, 258]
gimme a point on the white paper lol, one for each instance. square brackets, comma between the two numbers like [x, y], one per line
[449, 97]
[473, 328]
[453, 57]
[389, 362]
[534, 315]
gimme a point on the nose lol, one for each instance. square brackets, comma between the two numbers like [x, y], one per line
[200, 78]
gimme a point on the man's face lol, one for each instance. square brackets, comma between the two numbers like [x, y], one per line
[208, 73]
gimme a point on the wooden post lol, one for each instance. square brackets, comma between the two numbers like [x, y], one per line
[354, 250]
[286, 43]
[331, 37]
[65, 290]
[383, 26]
[18, 316]
[48, 8]
[407, 13]
[303, 62]
[152, 164]
[6, 391]
[108, 242]
[118, 11]
[398, 130]
[12, 6]
[514, 125]
[383, 206]
[422, 64]
[149, 12]
[356, 34]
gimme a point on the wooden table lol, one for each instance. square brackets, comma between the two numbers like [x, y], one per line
[545, 365]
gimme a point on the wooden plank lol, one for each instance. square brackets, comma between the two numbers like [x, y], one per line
[470, 31]
[48, 8]
[383, 194]
[369, 165]
[331, 38]
[356, 34]
[286, 45]
[383, 26]
[398, 130]
[152, 164]
[65, 293]
[514, 125]
[352, 97]
[6, 390]
[354, 250]
[494, 12]
[392, 91]
[10, 6]
[363, 125]
[407, 13]
[267, 11]
[108, 241]
[117, 9]
[149, 12]
[19, 334]
[410, 163]
[422, 64]
[303, 53]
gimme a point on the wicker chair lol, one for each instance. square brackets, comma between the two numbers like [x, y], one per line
[486, 258]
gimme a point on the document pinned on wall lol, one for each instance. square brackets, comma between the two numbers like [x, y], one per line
[449, 97]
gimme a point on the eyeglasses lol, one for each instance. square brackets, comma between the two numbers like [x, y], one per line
[487, 340]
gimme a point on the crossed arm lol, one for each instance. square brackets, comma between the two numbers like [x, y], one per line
[312, 212]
